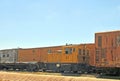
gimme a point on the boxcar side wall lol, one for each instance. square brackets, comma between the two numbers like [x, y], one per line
[107, 49]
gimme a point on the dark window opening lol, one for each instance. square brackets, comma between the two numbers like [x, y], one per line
[7, 55]
[3, 55]
[68, 50]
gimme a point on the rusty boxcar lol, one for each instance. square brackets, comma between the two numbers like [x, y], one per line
[107, 51]
[28, 55]
[32, 59]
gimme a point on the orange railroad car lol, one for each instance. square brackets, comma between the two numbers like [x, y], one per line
[53, 58]
[77, 58]
[54, 54]
[69, 54]
[81, 53]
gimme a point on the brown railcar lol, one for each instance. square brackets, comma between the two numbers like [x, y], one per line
[107, 50]
[28, 55]
[31, 59]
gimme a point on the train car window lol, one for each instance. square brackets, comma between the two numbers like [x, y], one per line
[7, 55]
[68, 50]
[3, 55]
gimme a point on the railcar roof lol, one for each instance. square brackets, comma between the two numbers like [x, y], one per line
[108, 31]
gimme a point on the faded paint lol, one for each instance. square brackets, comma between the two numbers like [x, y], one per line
[77, 55]
[8, 56]
[54, 54]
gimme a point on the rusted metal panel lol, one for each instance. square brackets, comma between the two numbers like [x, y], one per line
[109, 48]
[28, 55]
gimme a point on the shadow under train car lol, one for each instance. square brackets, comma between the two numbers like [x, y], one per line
[75, 68]
[22, 66]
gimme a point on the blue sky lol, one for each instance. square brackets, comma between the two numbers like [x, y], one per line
[37, 23]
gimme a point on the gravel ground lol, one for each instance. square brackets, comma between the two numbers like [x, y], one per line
[14, 76]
